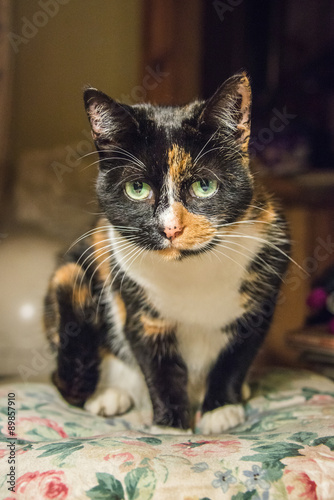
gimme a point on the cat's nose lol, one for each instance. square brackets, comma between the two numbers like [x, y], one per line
[172, 232]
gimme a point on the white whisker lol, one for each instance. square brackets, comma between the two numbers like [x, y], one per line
[112, 168]
[250, 253]
[266, 242]
[106, 250]
[119, 151]
[131, 251]
[207, 152]
[141, 252]
[100, 229]
[230, 258]
[249, 222]
[207, 142]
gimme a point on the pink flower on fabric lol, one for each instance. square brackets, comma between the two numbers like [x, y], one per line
[321, 399]
[39, 421]
[41, 486]
[212, 447]
[119, 458]
[300, 485]
[311, 475]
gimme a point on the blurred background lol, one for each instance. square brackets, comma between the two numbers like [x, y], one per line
[168, 52]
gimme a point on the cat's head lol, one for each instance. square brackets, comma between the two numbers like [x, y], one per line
[171, 177]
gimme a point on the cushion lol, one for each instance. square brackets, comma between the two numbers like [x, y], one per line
[285, 449]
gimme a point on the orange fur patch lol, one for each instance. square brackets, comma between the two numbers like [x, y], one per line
[197, 228]
[121, 309]
[154, 326]
[70, 276]
[105, 353]
[179, 163]
[269, 215]
[67, 275]
[244, 90]
[101, 253]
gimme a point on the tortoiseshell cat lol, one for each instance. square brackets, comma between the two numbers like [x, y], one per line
[175, 287]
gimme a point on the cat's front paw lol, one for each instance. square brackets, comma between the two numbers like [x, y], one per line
[221, 419]
[109, 402]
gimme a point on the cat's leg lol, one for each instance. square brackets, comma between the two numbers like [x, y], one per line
[74, 330]
[120, 387]
[154, 344]
[226, 389]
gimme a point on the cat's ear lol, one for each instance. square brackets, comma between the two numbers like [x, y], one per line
[110, 120]
[229, 109]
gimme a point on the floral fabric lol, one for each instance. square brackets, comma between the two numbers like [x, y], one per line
[284, 450]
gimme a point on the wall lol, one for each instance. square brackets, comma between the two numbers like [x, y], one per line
[85, 42]
[57, 47]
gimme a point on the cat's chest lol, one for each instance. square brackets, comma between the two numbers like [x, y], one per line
[198, 294]
[200, 290]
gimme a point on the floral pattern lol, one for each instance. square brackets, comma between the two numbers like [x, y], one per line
[285, 449]
[48, 485]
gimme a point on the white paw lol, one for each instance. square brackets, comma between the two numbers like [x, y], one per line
[222, 419]
[109, 402]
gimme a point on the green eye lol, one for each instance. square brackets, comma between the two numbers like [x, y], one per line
[138, 190]
[204, 188]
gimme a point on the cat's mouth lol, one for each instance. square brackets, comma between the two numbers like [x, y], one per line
[185, 232]
[188, 243]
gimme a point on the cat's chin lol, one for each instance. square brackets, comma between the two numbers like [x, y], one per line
[173, 253]
[170, 253]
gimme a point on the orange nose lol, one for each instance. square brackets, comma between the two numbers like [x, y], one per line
[173, 232]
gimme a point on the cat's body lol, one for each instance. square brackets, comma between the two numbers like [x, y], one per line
[179, 280]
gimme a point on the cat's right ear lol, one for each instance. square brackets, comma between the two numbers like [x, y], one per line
[229, 109]
[110, 120]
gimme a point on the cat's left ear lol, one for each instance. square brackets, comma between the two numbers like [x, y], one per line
[110, 120]
[229, 109]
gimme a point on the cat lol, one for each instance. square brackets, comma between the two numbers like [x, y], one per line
[174, 289]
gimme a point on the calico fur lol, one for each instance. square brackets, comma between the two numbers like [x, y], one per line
[176, 292]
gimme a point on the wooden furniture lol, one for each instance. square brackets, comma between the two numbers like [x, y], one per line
[172, 43]
[308, 201]
[315, 348]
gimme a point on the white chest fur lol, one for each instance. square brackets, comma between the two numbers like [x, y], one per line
[202, 290]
